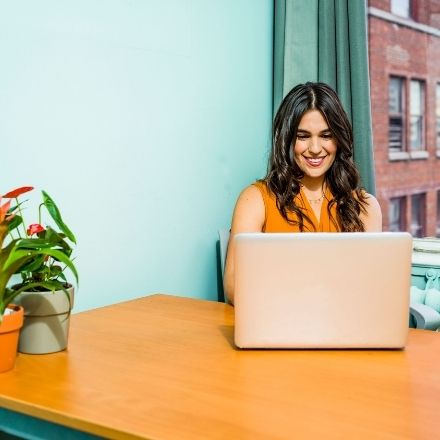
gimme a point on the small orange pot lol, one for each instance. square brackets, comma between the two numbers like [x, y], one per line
[9, 332]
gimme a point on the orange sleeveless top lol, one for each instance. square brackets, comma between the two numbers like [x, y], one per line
[275, 222]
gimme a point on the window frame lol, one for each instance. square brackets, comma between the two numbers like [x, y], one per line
[437, 115]
[398, 8]
[398, 115]
[421, 146]
[402, 201]
[437, 224]
[421, 215]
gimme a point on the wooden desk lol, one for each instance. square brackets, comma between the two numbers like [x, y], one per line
[165, 367]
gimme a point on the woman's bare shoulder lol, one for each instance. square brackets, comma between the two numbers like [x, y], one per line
[371, 200]
[252, 192]
[372, 217]
[249, 210]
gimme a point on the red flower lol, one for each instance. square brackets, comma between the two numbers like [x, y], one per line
[34, 229]
[17, 192]
[4, 209]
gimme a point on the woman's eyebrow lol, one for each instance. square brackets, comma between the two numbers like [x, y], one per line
[302, 130]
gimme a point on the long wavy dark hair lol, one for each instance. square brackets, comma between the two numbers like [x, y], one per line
[284, 175]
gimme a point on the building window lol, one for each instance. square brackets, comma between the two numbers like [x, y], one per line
[396, 214]
[396, 114]
[438, 215]
[418, 215]
[437, 115]
[401, 7]
[416, 108]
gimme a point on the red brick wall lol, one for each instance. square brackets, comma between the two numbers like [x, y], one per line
[402, 51]
[422, 11]
[426, 12]
[381, 4]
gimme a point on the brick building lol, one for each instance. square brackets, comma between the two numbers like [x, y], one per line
[404, 50]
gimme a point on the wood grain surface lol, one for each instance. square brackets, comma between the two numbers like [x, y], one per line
[165, 367]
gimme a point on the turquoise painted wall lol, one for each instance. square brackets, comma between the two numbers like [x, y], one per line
[143, 120]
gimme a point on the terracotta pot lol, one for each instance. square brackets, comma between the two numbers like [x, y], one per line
[9, 331]
[46, 321]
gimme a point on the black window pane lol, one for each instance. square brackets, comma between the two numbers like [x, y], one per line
[395, 134]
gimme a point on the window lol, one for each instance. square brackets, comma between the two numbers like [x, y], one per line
[417, 105]
[396, 114]
[396, 214]
[401, 7]
[418, 215]
[406, 130]
[438, 215]
[437, 114]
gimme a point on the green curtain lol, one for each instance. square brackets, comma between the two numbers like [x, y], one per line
[326, 40]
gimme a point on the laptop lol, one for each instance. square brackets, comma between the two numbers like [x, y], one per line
[322, 290]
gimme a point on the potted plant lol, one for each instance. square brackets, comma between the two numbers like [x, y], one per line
[44, 291]
[11, 315]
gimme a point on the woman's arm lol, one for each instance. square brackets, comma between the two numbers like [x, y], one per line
[249, 216]
[372, 218]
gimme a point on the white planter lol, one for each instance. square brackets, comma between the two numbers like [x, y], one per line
[46, 321]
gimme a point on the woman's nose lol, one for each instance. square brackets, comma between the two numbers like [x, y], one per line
[314, 145]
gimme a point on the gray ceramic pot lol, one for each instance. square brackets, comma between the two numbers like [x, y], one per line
[46, 321]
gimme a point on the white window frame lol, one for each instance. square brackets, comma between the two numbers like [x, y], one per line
[402, 8]
[417, 115]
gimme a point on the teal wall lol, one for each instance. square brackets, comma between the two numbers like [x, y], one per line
[143, 120]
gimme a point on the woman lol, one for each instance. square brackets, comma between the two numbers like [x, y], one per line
[312, 184]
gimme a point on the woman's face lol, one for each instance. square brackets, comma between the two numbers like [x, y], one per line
[315, 147]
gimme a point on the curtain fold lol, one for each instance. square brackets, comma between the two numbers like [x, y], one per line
[326, 40]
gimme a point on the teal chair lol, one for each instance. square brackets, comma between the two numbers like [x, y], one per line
[425, 303]
[223, 236]
[425, 281]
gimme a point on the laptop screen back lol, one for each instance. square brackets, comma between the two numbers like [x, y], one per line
[322, 290]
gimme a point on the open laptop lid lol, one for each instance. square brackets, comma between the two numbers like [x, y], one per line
[322, 290]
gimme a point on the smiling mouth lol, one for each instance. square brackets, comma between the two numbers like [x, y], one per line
[315, 161]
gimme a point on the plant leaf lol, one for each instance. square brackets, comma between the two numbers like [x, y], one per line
[17, 255]
[54, 237]
[12, 267]
[56, 215]
[60, 256]
[18, 192]
[5, 252]
[34, 243]
[32, 266]
[14, 223]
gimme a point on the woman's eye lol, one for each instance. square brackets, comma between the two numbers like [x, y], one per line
[327, 136]
[301, 136]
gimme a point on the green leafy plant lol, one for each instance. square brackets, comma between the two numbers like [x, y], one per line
[40, 254]
[10, 262]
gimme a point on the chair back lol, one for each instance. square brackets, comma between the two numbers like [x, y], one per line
[223, 235]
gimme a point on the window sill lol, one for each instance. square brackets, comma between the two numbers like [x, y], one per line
[398, 155]
[420, 154]
[407, 155]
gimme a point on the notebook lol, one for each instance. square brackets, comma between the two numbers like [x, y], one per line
[322, 290]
